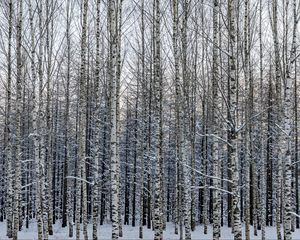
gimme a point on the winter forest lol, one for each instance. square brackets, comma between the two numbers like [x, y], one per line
[149, 119]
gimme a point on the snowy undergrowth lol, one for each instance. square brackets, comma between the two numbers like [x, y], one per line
[131, 233]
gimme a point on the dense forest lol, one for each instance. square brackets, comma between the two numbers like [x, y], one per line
[177, 115]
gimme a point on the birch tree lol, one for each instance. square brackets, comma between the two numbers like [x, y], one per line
[81, 166]
[8, 154]
[216, 163]
[233, 121]
[114, 81]
[158, 227]
[18, 106]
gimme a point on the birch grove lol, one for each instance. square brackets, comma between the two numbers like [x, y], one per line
[150, 119]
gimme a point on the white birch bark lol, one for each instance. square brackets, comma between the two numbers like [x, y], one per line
[68, 182]
[97, 122]
[19, 86]
[114, 118]
[144, 121]
[233, 121]
[177, 111]
[279, 118]
[81, 169]
[248, 137]
[48, 188]
[8, 153]
[118, 86]
[158, 211]
[262, 159]
[215, 154]
[35, 124]
[185, 128]
[288, 109]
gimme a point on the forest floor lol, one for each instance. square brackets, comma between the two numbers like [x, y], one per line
[131, 233]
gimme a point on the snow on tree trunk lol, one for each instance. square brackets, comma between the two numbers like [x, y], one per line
[115, 161]
[157, 122]
[8, 152]
[19, 86]
[233, 122]
[97, 106]
[81, 166]
[288, 132]
[215, 150]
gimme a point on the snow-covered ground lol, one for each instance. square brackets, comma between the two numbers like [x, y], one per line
[131, 233]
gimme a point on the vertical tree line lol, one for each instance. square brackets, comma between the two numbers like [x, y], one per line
[143, 113]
